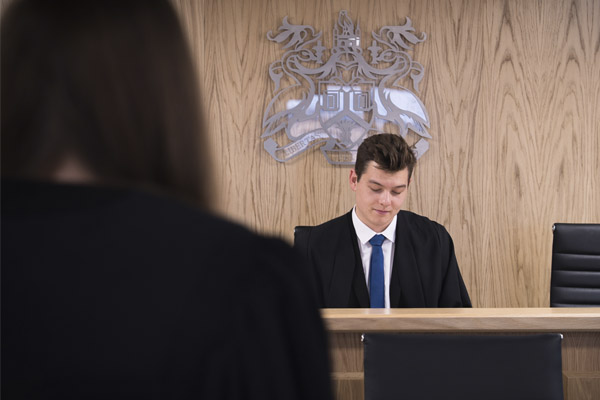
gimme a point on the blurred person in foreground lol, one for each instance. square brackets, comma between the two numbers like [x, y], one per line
[116, 280]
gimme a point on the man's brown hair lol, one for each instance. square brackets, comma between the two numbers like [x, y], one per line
[390, 152]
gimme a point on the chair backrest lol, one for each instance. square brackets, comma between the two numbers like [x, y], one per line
[575, 278]
[465, 367]
[301, 234]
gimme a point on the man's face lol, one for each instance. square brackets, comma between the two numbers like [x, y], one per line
[379, 195]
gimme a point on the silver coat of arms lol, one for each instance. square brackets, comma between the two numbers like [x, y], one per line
[334, 98]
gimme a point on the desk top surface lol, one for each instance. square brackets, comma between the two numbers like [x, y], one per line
[462, 319]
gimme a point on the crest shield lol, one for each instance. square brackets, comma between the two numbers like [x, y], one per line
[335, 103]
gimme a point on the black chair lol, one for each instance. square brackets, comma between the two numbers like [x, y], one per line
[301, 234]
[575, 278]
[463, 367]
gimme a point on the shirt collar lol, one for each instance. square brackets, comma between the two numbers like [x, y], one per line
[365, 233]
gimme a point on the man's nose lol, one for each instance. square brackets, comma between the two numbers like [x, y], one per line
[385, 198]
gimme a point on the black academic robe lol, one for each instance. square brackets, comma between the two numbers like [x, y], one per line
[112, 293]
[424, 272]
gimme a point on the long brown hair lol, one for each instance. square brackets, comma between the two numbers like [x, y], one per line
[111, 83]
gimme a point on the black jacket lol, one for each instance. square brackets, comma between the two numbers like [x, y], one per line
[424, 271]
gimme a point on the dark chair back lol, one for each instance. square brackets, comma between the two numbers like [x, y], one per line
[301, 237]
[465, 367]
[575, 266]
[301, 234]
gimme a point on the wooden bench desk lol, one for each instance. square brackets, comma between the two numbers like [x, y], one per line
[579, 326]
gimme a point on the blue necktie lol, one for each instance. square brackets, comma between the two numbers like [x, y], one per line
[376, 280]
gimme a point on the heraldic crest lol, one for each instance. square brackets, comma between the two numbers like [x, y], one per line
[336, 102]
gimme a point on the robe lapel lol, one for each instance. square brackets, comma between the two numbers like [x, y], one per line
[359, 282]
[343, 273]
[406, 289]
[346, 282]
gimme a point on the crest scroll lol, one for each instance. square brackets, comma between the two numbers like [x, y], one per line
[332, 98]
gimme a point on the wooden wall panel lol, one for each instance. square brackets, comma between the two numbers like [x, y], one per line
[513, 94]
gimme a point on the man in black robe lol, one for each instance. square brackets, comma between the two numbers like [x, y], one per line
[419, 264]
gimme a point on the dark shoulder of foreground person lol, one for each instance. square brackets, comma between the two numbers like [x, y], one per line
[230, 312]
[280, 339]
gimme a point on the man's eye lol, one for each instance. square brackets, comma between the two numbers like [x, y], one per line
[376, 190]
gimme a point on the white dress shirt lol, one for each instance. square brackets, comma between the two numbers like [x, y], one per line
[364, 234]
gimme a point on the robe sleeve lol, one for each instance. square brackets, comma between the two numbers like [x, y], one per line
[454, 292]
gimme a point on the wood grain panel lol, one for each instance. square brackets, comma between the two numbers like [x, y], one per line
[348, 386]
[512, 90]
[583, 350]
[348, 354]
[465, 320]
[578, 386]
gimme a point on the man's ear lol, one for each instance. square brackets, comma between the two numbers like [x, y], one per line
[353, 179]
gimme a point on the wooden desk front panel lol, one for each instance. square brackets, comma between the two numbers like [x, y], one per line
[580, 347]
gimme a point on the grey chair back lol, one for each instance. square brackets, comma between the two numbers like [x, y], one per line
[575, 278]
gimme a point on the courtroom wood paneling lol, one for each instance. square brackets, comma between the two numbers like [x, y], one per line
[348, 386]
[349, 355]
[512, 89]
[578, 386]
[582, 349]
